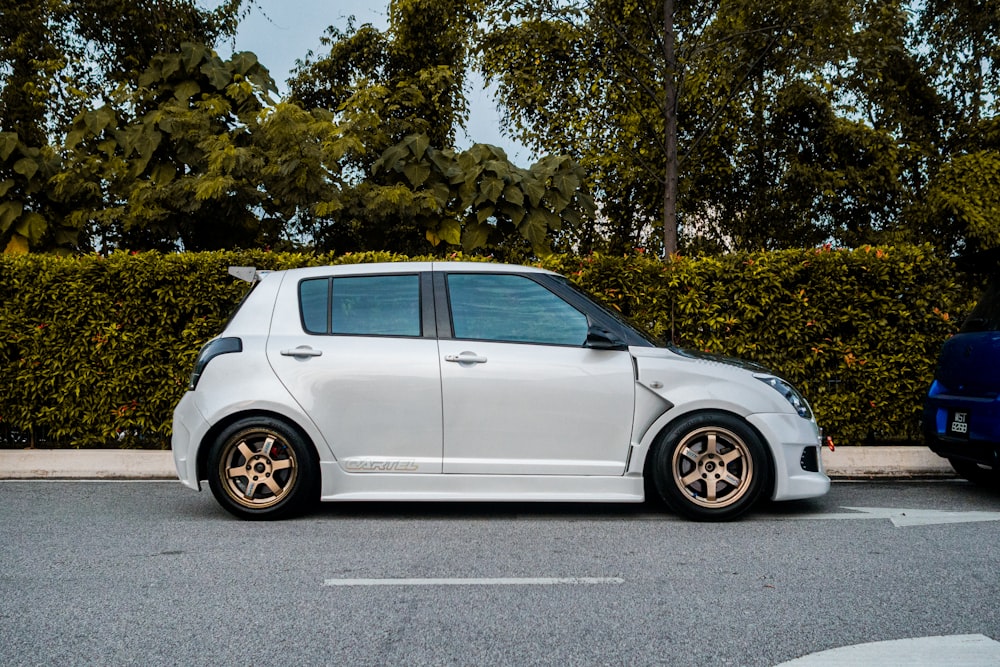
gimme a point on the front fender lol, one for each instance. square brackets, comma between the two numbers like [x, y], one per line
[647, 439]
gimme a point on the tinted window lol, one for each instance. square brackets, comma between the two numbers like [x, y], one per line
[314, 301]
[362, 305]
[640, 331]
[512, 308]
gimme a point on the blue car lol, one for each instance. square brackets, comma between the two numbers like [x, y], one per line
[961, 418]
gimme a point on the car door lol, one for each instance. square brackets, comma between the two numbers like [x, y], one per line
[359, 354]
[521, 393]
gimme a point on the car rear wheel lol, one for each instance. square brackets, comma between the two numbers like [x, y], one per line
[976, 473]
[259, 468]
[711, 467]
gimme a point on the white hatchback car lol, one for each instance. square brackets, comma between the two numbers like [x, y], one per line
[476, 382]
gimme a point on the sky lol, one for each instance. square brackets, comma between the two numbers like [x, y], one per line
[281, 31]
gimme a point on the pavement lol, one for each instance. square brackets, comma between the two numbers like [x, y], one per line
[846, 462]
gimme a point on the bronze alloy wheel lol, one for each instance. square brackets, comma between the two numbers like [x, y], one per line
[258, 468]
[713, 467]
[261, 467]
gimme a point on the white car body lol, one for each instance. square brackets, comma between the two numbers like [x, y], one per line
[431, 416]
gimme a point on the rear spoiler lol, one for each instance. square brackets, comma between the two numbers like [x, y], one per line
[250, 274]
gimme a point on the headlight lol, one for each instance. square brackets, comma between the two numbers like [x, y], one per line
[791, 394]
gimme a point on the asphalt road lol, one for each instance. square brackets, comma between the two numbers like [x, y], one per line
[148, 573]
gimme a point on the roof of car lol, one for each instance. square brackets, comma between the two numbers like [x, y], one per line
[410, 267]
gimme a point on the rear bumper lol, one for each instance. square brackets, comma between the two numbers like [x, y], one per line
[189, 427]
[983, 442]
[987, 453]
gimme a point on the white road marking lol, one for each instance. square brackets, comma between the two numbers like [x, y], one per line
[907, 517]
[965, 650]
[508, 581]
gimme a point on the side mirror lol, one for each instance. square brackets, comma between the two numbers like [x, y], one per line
[599, 338]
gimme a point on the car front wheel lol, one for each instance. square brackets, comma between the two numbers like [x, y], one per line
[259, 468]
[711, 467]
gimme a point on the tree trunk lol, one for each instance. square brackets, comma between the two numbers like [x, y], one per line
[670, 128]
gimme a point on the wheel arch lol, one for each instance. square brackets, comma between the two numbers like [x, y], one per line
[205, 446]
[656, 434]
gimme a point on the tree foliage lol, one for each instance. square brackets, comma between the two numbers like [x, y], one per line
[798, 122]
[412, 73]
[399, 95]
[745, 125]
[192, 152]
[56, 58]
[170, 160]
[53, 53]
[477, 198]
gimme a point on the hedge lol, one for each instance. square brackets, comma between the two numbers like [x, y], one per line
[95, 351]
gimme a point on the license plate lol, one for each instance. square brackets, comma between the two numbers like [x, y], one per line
[958, 424]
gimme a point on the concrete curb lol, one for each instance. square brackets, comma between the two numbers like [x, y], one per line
[86, 464]
[912, 462]
[845, 463]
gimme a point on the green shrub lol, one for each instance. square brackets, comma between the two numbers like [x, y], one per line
[96, 351]
[858, 331]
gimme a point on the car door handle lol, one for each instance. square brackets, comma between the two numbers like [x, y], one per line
[301, 352]
[465, 358]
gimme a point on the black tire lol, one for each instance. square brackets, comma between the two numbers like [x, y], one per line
[259, 468]
[711, 466]
[977, 474]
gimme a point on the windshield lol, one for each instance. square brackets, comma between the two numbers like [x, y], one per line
[986, 315]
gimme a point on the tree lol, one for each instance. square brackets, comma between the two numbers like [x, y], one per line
[962, 64]
[925, 75]
[613, 76]
[398, 95]
[196, 155]
[55, 52]
[417, 65]
[956, 203]
[31, 56]
[189, 155]
[797, 122]
[57, 57]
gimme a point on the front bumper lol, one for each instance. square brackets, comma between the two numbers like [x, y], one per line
[795, 443]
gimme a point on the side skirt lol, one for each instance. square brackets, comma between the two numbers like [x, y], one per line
[343, 486]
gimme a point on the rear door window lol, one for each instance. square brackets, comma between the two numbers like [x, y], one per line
[361, 305]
